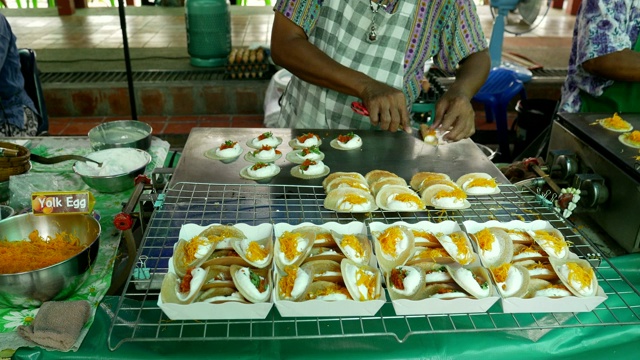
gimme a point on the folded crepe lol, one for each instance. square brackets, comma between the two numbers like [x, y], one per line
[57, 324]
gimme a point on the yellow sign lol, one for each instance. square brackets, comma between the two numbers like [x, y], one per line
[65, 202]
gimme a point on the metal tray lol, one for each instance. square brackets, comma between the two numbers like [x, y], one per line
[138, 318]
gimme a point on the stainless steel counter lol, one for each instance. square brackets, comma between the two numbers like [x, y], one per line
[401, 153]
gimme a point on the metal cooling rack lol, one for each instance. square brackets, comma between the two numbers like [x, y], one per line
[138, 318]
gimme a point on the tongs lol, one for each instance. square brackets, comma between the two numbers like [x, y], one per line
[56, 159]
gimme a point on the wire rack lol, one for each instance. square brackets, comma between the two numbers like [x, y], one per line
[138, 318]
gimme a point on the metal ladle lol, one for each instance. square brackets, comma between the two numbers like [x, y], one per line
[56, 159]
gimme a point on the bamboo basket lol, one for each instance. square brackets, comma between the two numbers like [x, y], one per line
[14, 165]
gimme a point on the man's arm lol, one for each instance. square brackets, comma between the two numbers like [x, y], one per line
[621, 65]
[454, 110]
[291, 49]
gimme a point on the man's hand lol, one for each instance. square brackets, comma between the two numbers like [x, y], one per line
[455, 114]
[387, 106]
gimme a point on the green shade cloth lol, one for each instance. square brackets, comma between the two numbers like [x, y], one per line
[616, 342]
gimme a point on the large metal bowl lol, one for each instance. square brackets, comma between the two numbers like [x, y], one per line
[58, 281]
[114, 182]
[121, 134]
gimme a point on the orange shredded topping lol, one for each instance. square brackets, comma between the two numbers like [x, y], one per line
[256, 252]
[425, 235]
[324, 237]
[369, 280]
[485, 239]
[464, 254]
[191, 248]
[355, 199]
[265, 135]
[615, 122]
[500, 272]
[389, 240]
[228, 144]
[482, 182]
[352, 182]
[345, 138]
[289, 245]
[353, 242]
[37, 252]
[431, 253]
[551, 240]
[287, 281]
[537, 265]
[330, 289]
[406, 197]
[526, 249]
[455, 193]
[633, 137]
[579, 274]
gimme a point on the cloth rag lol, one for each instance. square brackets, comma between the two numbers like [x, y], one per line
[57, 324]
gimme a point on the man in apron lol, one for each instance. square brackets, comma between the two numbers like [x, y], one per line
[604, 65]
[373, 52]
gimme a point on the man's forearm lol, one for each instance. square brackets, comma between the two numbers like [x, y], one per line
[621, 65]
[471, 74]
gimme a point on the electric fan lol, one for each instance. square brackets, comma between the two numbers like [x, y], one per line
[516, 17]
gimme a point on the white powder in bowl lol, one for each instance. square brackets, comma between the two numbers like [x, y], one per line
[114, 162]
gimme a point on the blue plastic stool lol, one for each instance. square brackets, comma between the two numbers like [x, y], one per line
[496, 93]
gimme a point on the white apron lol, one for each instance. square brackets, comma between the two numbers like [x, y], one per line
[342, 33]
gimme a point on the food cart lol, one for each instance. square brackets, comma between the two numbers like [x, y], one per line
[205, 191]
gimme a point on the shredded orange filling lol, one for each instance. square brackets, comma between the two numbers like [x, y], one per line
[287, 281]
[485, 239]
[482, 182]
[389, 240]
[580, 275]
[352, 182]
[464, 254]
[634, 137]
[256, 252]
[324, 237]
[616, 122]
[355, 199]
[331, 289]
[455, 193]
[500, 272]
[289, 245]
[425, 235]
[537, 265]
[551, 240]
[353, 242]
[369, 280]
[191, 248]
[431, 253]
[406, 197]
[224, 234]
[37, 252]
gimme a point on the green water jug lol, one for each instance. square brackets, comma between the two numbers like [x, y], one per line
[208, 32]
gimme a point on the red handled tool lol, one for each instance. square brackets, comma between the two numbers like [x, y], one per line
[359, 108]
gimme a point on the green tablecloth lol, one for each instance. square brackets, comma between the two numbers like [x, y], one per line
[615, 342]
[60, 177]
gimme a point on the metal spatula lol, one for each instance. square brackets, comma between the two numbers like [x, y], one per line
[56, 159]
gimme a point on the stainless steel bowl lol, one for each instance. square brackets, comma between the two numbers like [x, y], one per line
[121, 134]
[57, 281]
[112, 183]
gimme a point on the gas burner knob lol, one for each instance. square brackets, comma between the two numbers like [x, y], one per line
[564, 164]
[593, 190]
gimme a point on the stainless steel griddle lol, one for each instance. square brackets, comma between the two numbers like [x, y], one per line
[604, 169]
[401, 153]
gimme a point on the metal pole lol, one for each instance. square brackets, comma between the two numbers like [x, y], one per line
[127, 59]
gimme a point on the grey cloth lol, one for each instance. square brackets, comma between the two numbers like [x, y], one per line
[57, 324]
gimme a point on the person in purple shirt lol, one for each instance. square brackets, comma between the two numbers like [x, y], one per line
[604, 66]
[18, 116]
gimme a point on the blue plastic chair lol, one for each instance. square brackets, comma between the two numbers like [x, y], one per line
[496, 93]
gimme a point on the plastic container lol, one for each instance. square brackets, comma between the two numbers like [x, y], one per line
[208, 32]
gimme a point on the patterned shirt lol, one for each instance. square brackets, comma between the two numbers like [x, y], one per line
[602, 27]
[446, 30]
[12, 94]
